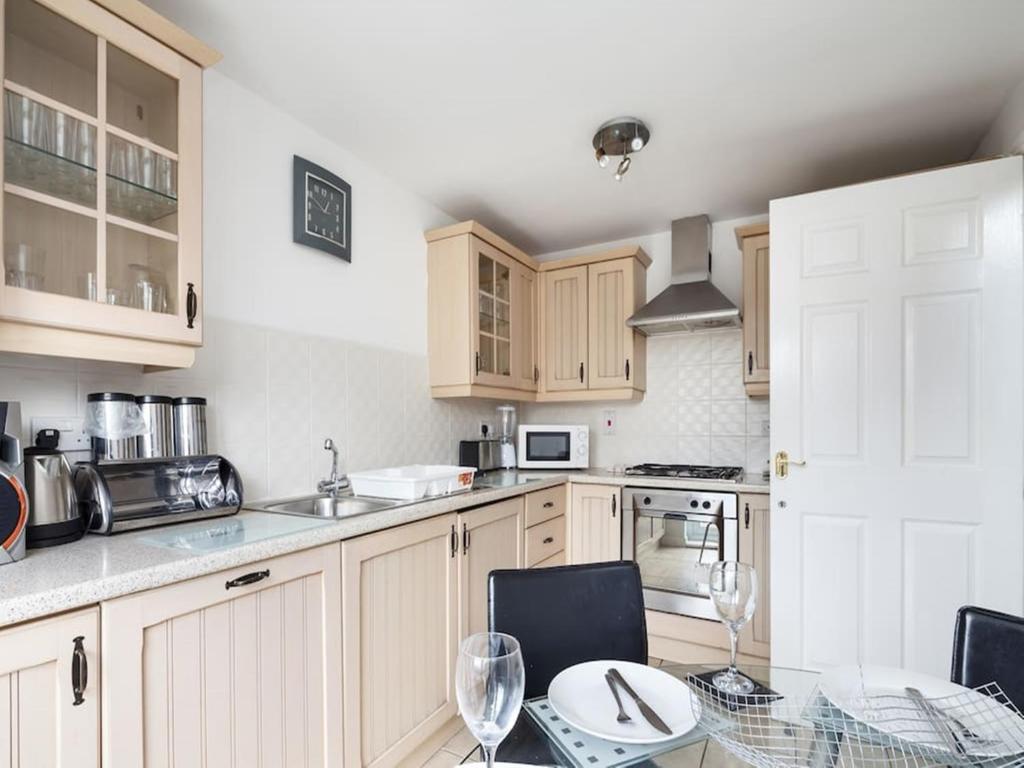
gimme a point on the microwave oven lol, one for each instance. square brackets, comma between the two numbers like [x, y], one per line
[553, 446]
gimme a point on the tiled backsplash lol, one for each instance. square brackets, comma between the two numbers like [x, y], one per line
[695, 410]
[272, 399]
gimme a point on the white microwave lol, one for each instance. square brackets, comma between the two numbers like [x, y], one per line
[554, 446]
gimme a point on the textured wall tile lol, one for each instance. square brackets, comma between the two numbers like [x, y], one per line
[728, 417]
[726, 347]
[727, 381]
[693, 349]
[728, 451]
[694, 382]
[288, 414]
[694, 417]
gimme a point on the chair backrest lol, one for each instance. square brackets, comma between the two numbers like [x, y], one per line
[987, 648]
[570, 614]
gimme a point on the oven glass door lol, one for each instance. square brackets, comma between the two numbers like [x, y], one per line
[548, 446]
[675, 551]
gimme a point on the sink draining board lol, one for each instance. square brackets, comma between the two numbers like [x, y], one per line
[228, 532]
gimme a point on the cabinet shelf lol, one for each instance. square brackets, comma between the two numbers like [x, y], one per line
[138, 203]
[53, 175]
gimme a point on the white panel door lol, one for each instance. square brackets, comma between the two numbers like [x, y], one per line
[897, 339]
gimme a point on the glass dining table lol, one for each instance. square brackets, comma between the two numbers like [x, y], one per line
[540, 738]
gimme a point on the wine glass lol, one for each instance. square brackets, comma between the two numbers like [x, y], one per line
[733, 588]
[489, 683]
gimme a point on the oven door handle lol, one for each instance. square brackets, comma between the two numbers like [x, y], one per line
[675, 516]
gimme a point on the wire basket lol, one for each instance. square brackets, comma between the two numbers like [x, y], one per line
[980, 728]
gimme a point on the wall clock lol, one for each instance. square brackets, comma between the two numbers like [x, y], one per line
[322, 209]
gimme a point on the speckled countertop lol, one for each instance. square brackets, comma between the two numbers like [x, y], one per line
[104, 567]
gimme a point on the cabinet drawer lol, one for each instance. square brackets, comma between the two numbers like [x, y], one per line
[544, 505]
[544, 540]
[556, 559]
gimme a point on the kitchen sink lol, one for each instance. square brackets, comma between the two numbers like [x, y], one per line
[322, 505]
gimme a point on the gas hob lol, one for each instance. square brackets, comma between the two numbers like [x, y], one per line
[687, 472]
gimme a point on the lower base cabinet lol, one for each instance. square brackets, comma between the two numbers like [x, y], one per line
[49, 692]
[595, 524]
[755, 549]
[238, 668]
[492, 538]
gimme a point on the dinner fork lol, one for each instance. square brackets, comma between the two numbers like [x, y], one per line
[622, 716]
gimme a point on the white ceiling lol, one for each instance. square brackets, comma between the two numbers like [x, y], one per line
[487, 107]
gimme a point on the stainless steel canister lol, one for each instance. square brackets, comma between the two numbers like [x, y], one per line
[111, 413]
[157, 442]
[190, 426]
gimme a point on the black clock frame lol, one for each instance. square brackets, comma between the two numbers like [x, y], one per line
[301, 168]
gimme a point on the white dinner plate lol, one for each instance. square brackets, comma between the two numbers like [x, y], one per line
[580, 696]
[855, 690]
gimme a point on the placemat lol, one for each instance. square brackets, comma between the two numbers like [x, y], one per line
[704, 683]
[582, 750]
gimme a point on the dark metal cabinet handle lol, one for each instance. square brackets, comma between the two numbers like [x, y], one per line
[548, 504]
[454, 542]
[615, 499]
[247, 579]
[191, 305]
[627, 369]
[536, 374]
[465, 539]
[746, 514]
[478, 362]
[750, 363]
[581, 373]
[549, 540]
[79, 671]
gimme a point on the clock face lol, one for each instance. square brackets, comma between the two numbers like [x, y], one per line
[325, 210]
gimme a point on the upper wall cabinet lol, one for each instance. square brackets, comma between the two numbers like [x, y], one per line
[481, 324]
[102, 183]
[753, 243]
[502, 325]
[589, 351]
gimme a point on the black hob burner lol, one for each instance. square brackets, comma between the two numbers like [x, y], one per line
[690, 471]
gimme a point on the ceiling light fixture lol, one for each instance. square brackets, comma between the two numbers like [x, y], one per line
[619, 138]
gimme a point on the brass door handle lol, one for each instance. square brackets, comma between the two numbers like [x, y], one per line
[783, 463]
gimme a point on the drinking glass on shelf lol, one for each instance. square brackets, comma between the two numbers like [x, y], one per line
[85, 146]
[24, 266]
[489, 684]
[733, 588]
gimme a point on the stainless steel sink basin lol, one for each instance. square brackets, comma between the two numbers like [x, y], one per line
[322, 505]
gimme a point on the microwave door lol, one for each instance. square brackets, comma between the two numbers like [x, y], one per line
[548, 446]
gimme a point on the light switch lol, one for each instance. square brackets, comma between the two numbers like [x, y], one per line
[608, 421]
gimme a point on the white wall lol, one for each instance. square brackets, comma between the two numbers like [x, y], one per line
[1006, 134]
[695, 409]
[299, 345]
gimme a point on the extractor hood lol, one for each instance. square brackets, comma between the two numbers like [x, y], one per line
[691, 302]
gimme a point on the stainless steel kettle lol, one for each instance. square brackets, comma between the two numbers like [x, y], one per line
[53, 513]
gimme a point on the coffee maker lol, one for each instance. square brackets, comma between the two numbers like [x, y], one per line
[13, 499]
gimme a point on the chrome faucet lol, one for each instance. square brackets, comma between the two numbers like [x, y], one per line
[335, 482]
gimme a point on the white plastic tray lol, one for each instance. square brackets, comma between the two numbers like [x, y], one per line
[412, 482]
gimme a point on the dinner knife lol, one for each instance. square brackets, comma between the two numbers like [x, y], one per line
[645, 709]
[938, 721]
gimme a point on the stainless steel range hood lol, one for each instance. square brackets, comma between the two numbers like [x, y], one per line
[691, 302]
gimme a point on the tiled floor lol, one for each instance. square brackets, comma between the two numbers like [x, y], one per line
[462, 743]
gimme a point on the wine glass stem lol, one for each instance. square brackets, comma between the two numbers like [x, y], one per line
[489, 754]
[732, 650]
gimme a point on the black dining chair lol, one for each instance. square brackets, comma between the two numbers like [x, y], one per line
[569, 614]
[987, 648]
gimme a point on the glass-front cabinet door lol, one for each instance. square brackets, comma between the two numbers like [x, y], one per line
[493, 320]
[101, 176]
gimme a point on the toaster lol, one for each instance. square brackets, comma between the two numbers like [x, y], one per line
[126, 495]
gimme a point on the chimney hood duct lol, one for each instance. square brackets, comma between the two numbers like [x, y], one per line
[691, 302]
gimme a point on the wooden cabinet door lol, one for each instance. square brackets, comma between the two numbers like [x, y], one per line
[491, 538]
[492, 276]
[40, 724]
[615, 290]
[565, 329]
[526, 371]
[755, 549]
[595, 524]
[216, 672]
[756, 350]
[400, 612]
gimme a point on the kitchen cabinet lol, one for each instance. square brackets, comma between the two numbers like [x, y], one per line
[400, 604]
[49, 692]
[755, 549]
[480, 323]
[504, 326]
[227, 669]
[102, 184]
[753, 243]
[546, 527]
[595, 524]
[491, 537]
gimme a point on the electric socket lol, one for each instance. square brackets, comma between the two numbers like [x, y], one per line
[71, 428]
[608, 418]
[485, 429]
[766, 428]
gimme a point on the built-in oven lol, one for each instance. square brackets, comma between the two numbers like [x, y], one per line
[674, 536]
